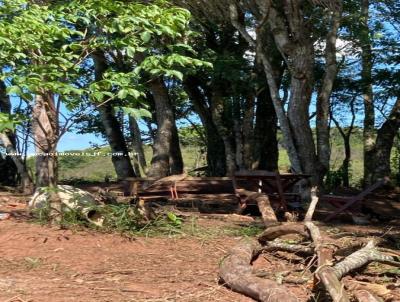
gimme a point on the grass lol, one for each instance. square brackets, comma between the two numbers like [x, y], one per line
[126, 220]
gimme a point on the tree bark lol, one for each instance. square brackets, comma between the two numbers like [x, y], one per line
[137, 142]
[120, 154]
[26, 180]
[368, 98]
[236, 272]
[264, 206]
[266, 51]
[238, 134]
[112, 127]
[301, 86]
[215, 145]
[248, 129]
[346, 142]
[167, 157]
[323, 99]
[217, 109]
[265, 147]
[384, 144]
[46, 134]
[8, 165]
[325, 272]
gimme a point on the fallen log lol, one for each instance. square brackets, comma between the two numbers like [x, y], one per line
[263, 203]
[367, 254]
[313, 204]
[293, 248]
[374, 290]
[325, 272]
[274, 232]
[366, 296]
[237, 273]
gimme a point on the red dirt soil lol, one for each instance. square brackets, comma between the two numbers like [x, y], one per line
[45, 264]
[39, 263]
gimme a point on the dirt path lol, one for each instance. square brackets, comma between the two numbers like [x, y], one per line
[43, 264]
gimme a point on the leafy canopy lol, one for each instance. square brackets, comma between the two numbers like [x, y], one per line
[49, 48]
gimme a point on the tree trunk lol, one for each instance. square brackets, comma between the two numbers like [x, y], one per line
[215, 145]
[167, 157]
[238, 134]
[384, 144]
[112, 127]
[248, 131]
[120, 154]
[346, 161]
[46, 134]
[323, 100]
[9, 176]
[176, 159]
[366, 78]
[26, 181]
[217, 109]
[237, 273]
[137, 142]
[266, 152]
[301, 86]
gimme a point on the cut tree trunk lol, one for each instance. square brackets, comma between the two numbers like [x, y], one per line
[325, 272]
[276, 231]
[313, 204]
[236, 272]
[264, 205]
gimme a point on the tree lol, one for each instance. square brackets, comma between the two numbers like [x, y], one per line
[228, 97]
[293, 26]
[74, 51]
[9, 177]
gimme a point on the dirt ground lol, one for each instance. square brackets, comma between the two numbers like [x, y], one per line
[40, 263]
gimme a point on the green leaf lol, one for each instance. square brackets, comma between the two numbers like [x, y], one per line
[130, 51]
[145, 36]
[134, 112]
[174, 73]
[122, 94]
[14, 90]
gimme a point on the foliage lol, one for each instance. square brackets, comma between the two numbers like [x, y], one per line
[335, 178]
[192, 136]
[121, 218]
[8, 122]
[50, 47]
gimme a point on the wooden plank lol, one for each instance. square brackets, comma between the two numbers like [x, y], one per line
[356, 198]
[253, 173]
